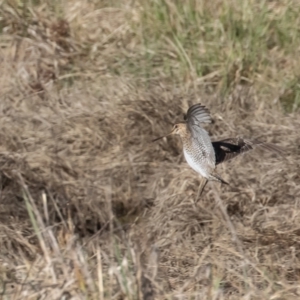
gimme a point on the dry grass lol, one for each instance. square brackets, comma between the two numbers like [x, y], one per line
[90, 208]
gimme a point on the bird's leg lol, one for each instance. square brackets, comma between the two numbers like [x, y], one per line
[203, 183]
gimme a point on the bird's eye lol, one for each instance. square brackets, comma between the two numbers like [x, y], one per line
[175, 126]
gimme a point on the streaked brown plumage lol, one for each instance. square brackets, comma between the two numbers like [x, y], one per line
[201, 153]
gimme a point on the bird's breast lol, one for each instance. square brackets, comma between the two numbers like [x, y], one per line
[196, 162]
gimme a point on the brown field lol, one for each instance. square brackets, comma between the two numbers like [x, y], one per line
[90, 207]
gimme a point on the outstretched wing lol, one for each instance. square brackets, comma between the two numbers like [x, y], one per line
[197, 114]
[232, 147]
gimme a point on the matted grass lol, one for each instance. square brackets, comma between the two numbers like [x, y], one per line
[90, 208]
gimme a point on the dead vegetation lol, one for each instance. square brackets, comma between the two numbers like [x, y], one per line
[90, 208]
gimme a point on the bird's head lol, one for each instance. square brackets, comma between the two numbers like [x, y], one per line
[178, 129]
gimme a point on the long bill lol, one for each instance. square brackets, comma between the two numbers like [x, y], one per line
[161, 137]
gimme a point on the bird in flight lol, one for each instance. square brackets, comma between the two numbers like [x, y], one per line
[201, 153]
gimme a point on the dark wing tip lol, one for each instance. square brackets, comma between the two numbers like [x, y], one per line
[232, 147]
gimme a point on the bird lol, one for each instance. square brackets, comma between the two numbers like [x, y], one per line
[201, 153]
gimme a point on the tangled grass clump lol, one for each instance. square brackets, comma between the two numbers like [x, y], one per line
[90, 208]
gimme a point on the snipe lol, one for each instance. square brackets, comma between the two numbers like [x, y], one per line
[201, 153]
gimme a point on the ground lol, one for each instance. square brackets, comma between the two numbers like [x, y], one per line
[90, 207]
